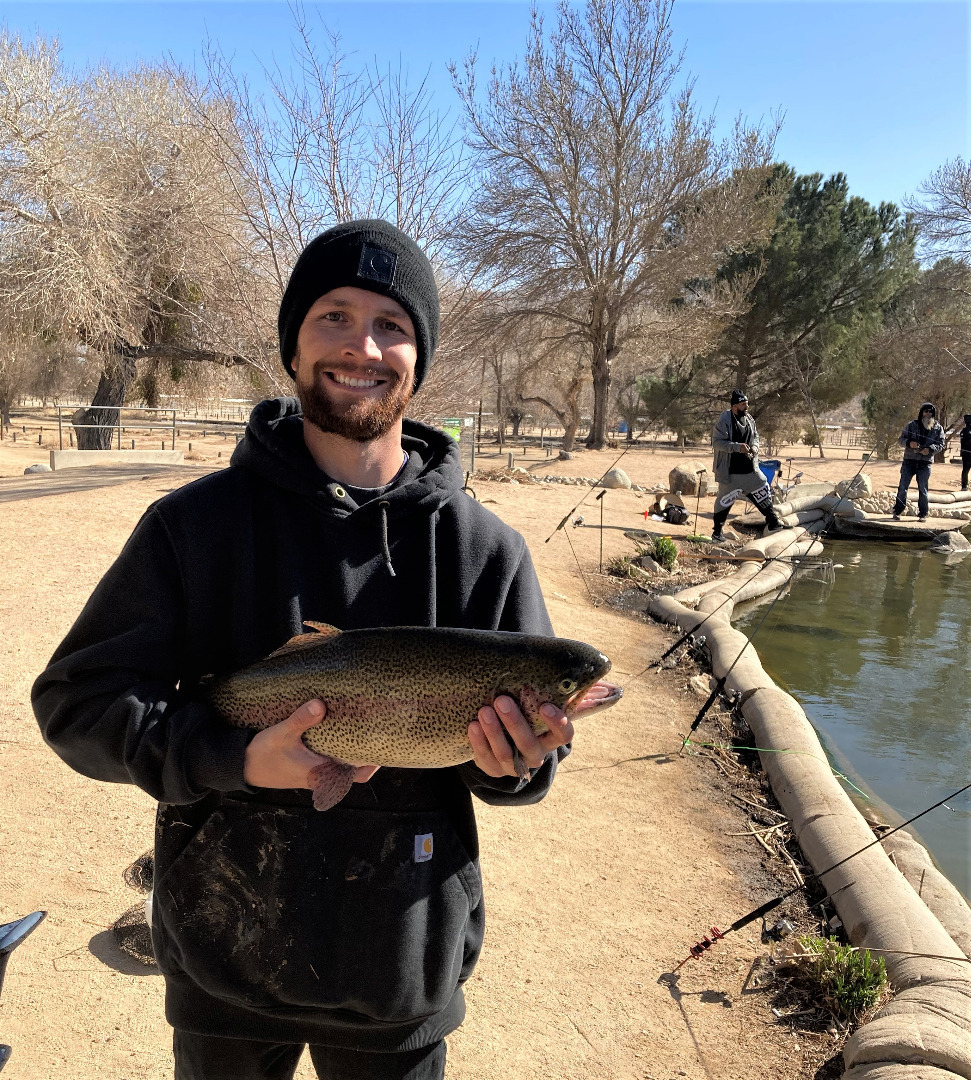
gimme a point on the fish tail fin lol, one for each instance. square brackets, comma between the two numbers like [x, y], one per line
[330, 781]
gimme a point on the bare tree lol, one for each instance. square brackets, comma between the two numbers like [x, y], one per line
[334, 143]
[942, 209]
[107, 194]
[601, 190]
[922, 353]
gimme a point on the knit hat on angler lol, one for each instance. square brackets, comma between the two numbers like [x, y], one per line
[738, 396]
[928, 406]
[372, 255]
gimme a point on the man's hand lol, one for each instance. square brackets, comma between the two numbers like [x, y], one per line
[925, 451]
[278, 758]
[913, 445]
[493, 752]
[743, 448]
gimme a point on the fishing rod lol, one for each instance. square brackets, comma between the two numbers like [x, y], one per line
[569, 514]
[714, 934]
[629, 447]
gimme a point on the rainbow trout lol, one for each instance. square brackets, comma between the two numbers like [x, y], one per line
[404, 696]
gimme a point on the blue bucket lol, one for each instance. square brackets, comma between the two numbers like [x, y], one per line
[770, 469]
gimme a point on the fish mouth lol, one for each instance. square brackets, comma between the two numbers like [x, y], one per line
[602, 695]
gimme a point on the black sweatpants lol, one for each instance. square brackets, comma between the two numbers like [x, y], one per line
[209, 1057]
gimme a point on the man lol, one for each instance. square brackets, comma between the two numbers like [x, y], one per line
[965, 451]
[921, 439]
[735, 442]
[275, 925]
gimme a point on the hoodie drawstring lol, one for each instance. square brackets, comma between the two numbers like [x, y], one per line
[385, 550]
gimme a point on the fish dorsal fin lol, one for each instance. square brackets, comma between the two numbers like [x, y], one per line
[320, 633]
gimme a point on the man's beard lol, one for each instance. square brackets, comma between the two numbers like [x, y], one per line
[360, 421]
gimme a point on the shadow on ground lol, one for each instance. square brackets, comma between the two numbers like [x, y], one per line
[105, 947]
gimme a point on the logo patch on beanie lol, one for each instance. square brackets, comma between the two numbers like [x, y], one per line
[377, 264]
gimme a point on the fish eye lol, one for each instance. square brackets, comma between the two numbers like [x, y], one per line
[567, 686]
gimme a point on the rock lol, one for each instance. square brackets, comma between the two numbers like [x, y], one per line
[615, 478]
[648, 564]
[684, 479]
[36, 469]
[700, 685]
[950, 542]
[857, 487]
[564, 455]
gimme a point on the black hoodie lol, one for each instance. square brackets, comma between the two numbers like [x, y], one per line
[272, 921]
[966, 435]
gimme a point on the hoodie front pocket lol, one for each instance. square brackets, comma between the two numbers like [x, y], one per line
[368, 911]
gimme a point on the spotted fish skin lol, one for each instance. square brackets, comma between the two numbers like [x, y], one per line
[404, 696]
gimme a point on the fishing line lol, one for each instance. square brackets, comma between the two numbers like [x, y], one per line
[580, 569]
[700, 948]
[772, 750]
[955, 359]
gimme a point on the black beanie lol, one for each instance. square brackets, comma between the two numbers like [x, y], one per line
[738, 396]
[372, 255]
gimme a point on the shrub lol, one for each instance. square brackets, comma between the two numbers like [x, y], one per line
[663, 551]
[841, 978]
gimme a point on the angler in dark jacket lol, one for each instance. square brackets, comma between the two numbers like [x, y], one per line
[921, 439]
[965, 451]
[275, 925]
[735, 441]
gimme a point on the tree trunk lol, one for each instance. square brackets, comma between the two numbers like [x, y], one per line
[600, 371]
[116, 380]
[570, 434]
[812, 416]
[4, 414]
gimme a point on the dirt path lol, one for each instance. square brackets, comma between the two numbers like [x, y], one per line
[592, 894]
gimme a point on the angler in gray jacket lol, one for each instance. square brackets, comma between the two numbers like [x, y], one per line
[921, 439]
[735, 441]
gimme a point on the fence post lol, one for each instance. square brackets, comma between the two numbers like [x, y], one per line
[60, 432]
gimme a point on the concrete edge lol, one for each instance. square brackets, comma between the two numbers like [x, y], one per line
[927, 1025]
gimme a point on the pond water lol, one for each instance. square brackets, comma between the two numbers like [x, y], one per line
[881, 663]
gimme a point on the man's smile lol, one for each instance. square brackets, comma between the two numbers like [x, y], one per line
[347, 380]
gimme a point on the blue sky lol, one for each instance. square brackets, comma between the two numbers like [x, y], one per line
[878, 89]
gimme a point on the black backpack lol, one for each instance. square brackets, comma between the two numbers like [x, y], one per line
[675, 515]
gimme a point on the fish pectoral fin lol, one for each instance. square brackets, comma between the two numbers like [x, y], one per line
[305, 641]
[330, 781]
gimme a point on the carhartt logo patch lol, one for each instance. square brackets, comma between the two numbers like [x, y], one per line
[377, 264]
[424, 845]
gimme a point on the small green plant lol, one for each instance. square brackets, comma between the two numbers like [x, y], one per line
[841, 978]
[663, 551]
[621, 566]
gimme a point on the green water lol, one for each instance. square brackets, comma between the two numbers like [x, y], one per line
[881, 663]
